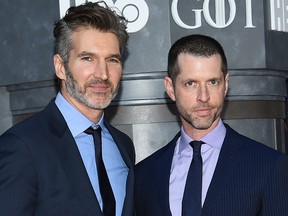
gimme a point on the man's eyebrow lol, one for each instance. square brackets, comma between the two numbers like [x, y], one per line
[216, 78]
[118, 56]
[85, 53]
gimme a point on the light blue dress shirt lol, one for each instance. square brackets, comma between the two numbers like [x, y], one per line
[181, 161]
[116, 168]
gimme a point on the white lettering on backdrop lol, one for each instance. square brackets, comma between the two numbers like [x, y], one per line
[220, 14]
[137, 13]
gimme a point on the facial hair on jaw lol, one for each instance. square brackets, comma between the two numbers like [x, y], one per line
[197, 122]
[74, 91]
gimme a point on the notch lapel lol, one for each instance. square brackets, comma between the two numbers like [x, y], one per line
[64, 145]
[162, 170]
[228, 158]
[128, 155]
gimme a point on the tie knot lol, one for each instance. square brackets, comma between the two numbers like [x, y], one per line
[96, 134]
[92, 131]
[196, 145]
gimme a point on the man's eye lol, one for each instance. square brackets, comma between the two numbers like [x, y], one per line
[190, 83]
[113, 60]
[87, 58]
[214, 82]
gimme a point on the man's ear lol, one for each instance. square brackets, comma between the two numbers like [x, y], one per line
[59, 67]
[169, 87]
[227, 83]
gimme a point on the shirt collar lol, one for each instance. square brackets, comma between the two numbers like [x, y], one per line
[214, 138]
[76, 121]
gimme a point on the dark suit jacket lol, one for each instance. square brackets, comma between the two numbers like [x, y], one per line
[249, 179]
[42, 173]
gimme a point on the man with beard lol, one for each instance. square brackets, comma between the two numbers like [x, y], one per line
[48, 163]
[208, 168]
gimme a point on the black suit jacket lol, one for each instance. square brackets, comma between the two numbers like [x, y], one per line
[249, 179]
[42, 173]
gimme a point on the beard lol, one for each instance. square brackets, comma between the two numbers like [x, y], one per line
[81, 94]
[196, 121]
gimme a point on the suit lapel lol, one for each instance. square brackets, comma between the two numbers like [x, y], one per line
[66, 150]
[228, 158]
[128, 155]
[162, 174]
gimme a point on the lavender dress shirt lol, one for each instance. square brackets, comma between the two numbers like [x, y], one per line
[182, 158]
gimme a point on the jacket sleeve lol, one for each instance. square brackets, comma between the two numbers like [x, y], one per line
[17, 178]
[275, 200]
